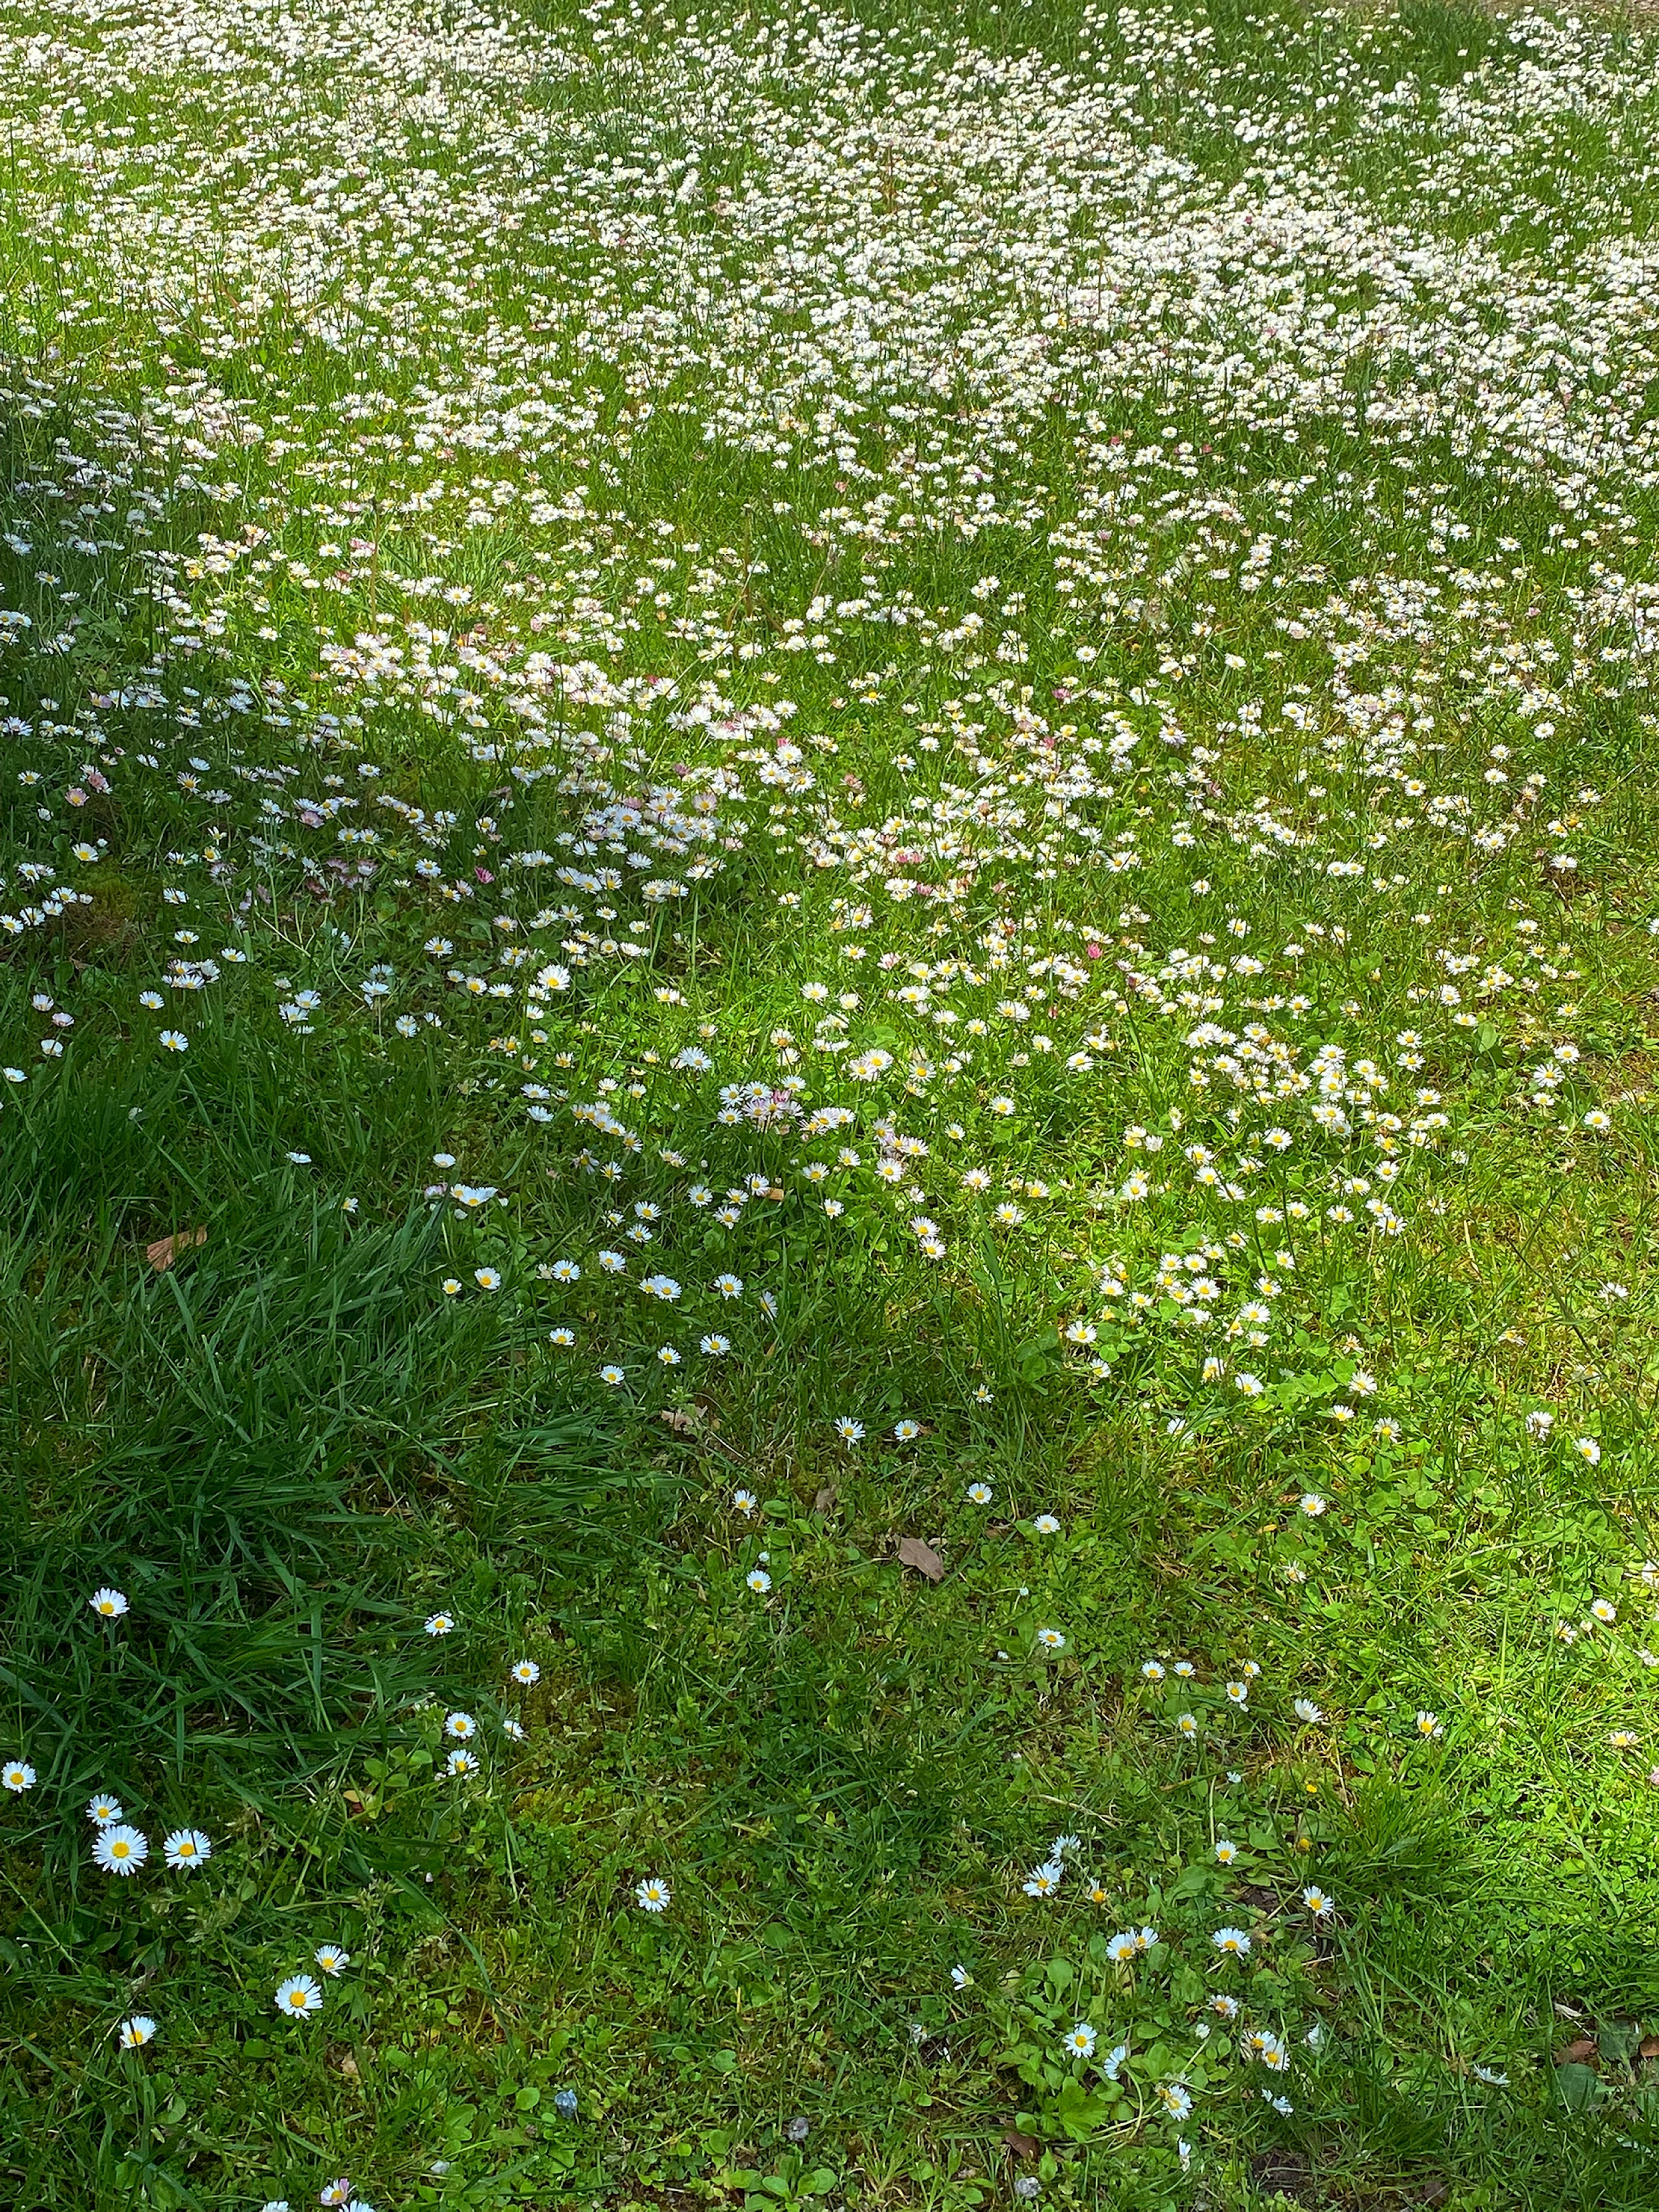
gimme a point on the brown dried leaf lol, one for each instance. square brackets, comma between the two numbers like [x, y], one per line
[1581, 2051]
[1649, 2047]
[825, 1500]
[1019, 2144]
[683, 1425]
[166, 1249]
[913, 1552]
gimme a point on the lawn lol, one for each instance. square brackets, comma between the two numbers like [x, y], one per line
[829, 987]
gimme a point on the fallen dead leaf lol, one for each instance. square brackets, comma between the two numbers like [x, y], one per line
[1019, 2144]
[683, 1425]
[1581, 2051]
[825, 1500]
[1282, 2173]
[166, 1249]
[913, 1552]
[1649, 2047]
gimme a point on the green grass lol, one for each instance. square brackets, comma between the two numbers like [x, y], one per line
[1151, 564]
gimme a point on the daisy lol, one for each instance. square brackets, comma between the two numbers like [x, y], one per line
[120, 1849]
[1225, 1852]
[1080, 2041]
[461, 1726]
[907, 1431]
[652, 1894]
[1318, 1903]
[612, 1374]
[185, 1848]
[1231, 1942]
[17, 1775]
[1051, 1639]
[1046, 1525]
[758, 1581]
[136, 2031]
[1305, 1709]
[103, 1808]
[1429, 1724]
[487, 1279]
[459, 1764]
[298, 1997]
[564, 1337]
[525, 1671]
[108, 1604]
[1044, 1881]
[979, 1493]
[331, 1959]
[849, 1431]
[1175, 2100]
[439, 1624]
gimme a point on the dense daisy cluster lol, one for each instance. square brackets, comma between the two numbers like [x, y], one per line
[987, 676]
[957, 1010]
